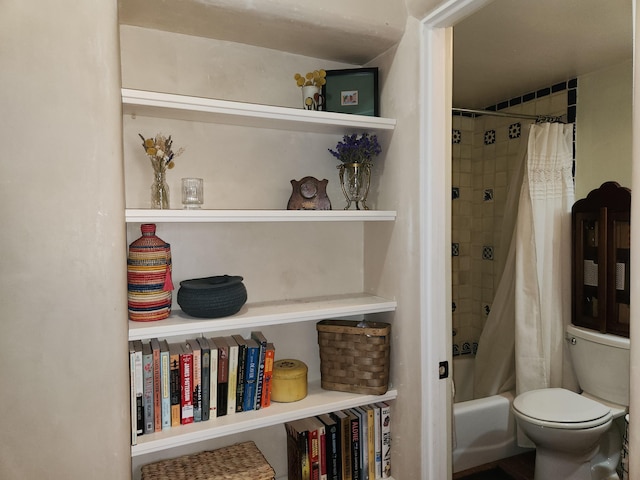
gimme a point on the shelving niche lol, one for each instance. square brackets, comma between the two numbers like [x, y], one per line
[259, 314]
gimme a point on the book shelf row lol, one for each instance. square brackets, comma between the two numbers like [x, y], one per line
[197, 380]
[349, 444]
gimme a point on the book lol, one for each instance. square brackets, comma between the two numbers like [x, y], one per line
[196, 385]
[369, 419]
[251, 374]
[344, 429]
[269, 358]
[320, 434]
[147, 392]
[364, 449]
[232, 374]
[165, 385]
[132, 393]
[213, 383]
[385, 430]
[298, 467]
[331, 446]
[186, 385]
[242, 360]
[354, 428]
[157, 409]
[137, 345]
[377, 440]
[205, 355]
[223, 375]
[261, 340]
[175, 350]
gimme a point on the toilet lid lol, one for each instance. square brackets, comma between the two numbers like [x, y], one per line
[558, 405]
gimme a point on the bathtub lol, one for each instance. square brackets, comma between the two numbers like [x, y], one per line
[484, 428]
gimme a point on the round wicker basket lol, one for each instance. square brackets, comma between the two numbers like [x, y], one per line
[212, 297]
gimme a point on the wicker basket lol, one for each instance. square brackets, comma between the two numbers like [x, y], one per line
[242, 461]
[354, 358]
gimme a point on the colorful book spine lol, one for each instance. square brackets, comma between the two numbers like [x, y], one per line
[355, 444]
[223, 375]
[298, 467]
[157, 407]
[186, 386]
[147, 373]
[205, 355]
[232, 375]
[251, 374]
[242, 361]
[385, 430]
[132, 399]
[377, 441]
[364, 449]
[370, 466]
[261, 340]
[175, 383]
[165, 385]
[344, 428]
[331, 446]
[194, 346]
[213, 384]
[269, 358]
[139, 383]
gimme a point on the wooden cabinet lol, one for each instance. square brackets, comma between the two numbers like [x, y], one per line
[600, 267]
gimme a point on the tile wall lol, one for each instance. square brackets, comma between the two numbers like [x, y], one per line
[484, 154]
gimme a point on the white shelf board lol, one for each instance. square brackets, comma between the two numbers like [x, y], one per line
[316, 402]
[257, 315]
[227, 216]
[182, 107]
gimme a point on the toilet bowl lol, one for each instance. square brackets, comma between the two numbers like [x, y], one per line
[568, 430]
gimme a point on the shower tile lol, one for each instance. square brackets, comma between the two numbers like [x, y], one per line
[466, 348]
[559, 87]
[543, 92]
[455, 249]
[487, 253]
[488, 195]
[456, 350]
[455, 193]
[514, 130]
[456, 136]
[474, 348]
[489, 137]
[453, 308]
[486, 309]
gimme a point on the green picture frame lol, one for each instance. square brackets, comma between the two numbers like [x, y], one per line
[352, 90]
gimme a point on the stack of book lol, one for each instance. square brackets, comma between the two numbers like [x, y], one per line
[174, 384]
[353, 444]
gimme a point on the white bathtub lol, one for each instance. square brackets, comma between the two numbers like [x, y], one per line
[485, 429]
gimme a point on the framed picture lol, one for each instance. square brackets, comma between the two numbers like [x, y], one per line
[354, 90]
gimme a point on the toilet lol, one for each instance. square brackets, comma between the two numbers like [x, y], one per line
[576, 435]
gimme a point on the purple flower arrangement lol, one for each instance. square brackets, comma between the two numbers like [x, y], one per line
[354, 149]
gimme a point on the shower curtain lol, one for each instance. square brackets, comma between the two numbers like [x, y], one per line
[522, 343]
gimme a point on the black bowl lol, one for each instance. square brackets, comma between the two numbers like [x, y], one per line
[212, 297]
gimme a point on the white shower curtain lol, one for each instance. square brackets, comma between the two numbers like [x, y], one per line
[522, 342]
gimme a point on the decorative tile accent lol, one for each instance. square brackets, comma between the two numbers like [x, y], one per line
[486, 309]
[456, 350]
[456, 136]
[489, 137]
[455, 192]
[454, 332]
[466, 348]
[455, 249]
[487, 253]
[453, 307]
[474, 347]
[514, 130]
[488, 195]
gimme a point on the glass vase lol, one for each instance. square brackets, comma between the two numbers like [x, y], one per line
[159, 190]
[355, 179]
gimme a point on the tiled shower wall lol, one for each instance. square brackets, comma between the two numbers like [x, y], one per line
[484, 155]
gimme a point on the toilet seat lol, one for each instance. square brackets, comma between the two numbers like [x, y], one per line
[560, 408]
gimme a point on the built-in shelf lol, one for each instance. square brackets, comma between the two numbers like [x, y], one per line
[316, 402]
[258, 315]
[226, 216]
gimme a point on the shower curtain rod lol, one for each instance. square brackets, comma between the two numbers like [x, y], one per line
[537, 118]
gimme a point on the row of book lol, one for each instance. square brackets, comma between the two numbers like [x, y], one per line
[352, 444]
[196, 380]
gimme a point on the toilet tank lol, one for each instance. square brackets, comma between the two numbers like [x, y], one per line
[601, 363]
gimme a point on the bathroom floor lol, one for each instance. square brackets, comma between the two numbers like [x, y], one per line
[518, 467]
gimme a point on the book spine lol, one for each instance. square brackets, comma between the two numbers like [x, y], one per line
[132, 393]
[371, 463]
[364, 446]
[269, 358]
[385, 430]
[165, 385]
[322, 451]
[213, 383]
[355, 447]
[175, 382]
[242, 361]
[223, 376]
[186, 378]
[205, 354]
[344, 433]
[232, 376]
[147, 366]
[139, 382]
[194, 346]
[377, 441]
[157, 395]
[251, 374]
[331, 446]
[314, 453]
[261, 340]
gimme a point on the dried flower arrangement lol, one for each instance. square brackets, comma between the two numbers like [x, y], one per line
[317, 78]
[354, 149]
[159, 151]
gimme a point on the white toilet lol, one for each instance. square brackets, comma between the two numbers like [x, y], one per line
[575, 435]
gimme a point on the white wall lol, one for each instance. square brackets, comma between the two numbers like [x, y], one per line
[62, 284]
[603, 128]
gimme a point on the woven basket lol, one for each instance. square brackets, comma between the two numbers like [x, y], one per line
[242, 461]
[212, 297]
[354, 358]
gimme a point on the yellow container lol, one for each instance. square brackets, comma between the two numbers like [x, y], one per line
[289, 381]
